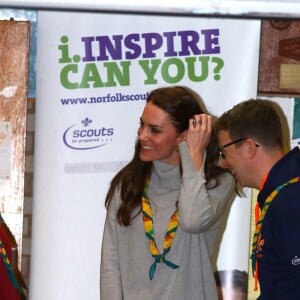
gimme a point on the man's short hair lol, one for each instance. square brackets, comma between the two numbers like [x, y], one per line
[255, 118]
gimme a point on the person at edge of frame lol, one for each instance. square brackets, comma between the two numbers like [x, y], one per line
[12, 284]
[251, 146]
[232, 284]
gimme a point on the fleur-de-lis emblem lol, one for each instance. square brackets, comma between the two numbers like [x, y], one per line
[86, 122]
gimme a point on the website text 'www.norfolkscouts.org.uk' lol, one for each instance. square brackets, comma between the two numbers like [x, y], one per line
[106, 98]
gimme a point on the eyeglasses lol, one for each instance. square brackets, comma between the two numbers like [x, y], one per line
[221, 149]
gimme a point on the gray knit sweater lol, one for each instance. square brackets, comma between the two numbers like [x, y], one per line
[126, 257]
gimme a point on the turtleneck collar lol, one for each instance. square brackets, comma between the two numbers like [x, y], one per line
[165, 175]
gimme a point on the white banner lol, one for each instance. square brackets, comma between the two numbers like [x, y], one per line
[93, 75]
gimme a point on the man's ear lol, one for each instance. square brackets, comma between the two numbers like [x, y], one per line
[251, 147]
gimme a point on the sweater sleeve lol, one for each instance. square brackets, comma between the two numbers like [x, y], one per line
[199, 207]
[110, 278]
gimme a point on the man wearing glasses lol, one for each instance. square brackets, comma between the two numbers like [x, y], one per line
[251, 146]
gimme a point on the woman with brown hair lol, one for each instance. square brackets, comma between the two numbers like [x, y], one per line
[165, 206]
